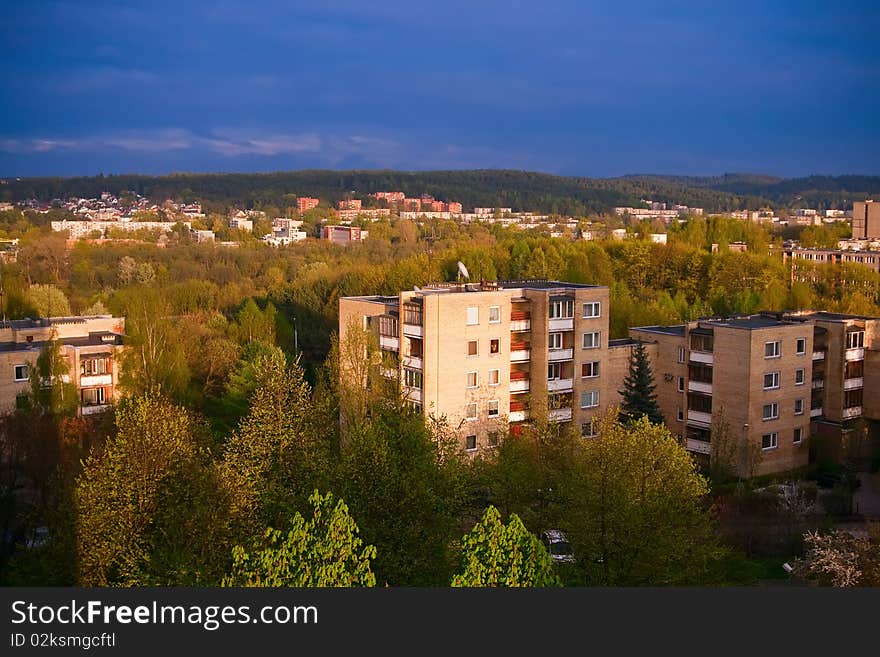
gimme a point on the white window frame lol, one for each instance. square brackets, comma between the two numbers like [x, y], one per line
[497, 310]
[594, 398]
[27, 372]
[803, 375]
[596, 335]
[774, 441]
[497, 376]
[858, 342]
[498, 342]
[497, 412]
[470, 449]
[797, 350]
[554, 341]
[557, 308]
[595, 310]
[557, 367]
[796, 402]
[777, 348]
[774, 410]
[775, 378]
[476, 415]
[681, 355]
[473, 316]
[797, 435]
[681, 384]
[476, 378]
[595, 369]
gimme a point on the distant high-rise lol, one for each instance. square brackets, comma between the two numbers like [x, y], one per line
[866, 220]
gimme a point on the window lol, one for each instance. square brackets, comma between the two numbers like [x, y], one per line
[92, 396]
[700, 403]
[771, 411]
[93, 366]
[412, 378]
[768, 441]
[680, 415]
[22, 402]
[681, 384]
[798, 435]
[493, 408]
[554, 341]
[771, 380]
[589, 398]
[494, 438]
[470, 412]
[798, 406]
[471, 379]
[21, 372]
[494, 314]
[561, 309]
[470, 443]
[590, 429]
[472, 348]
[801, 346]
[494, 377]
[554, 371]
[681, 354]
[855, 340]
[591, 340]
[772, 349]
[590, 370]
[473, 316]
[592, 309]
[799, 377]
[494, 346]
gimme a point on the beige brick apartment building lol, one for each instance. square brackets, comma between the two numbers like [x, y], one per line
[490, 356]
[774, 378]
[90, 345]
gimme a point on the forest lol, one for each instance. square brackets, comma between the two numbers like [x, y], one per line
[227, 454]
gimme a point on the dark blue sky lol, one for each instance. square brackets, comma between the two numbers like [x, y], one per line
[597, 88]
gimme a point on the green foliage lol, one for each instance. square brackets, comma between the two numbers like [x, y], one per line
[495, 554]
[324, 550]
[48, 301]
[639, 399]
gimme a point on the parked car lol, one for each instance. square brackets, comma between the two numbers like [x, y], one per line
[558, 546]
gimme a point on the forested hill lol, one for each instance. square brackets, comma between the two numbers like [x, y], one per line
[813, 191]
[520, 190]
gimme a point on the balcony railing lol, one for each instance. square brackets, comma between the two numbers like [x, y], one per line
[816, 412]
[857, 353]
[706, 357]
[560, 385]
[388, 343]
[561, 324]
[818, 355]
[560, 354]
[699, 418]
[700, 386]
[520, 325]
[520, 385]
[698, 446]
[560, 415]
[413, 394]
[95, 409]
[853, 383]
[818, 384]
[517, 416]
[851, 412]
[96, 380]
[413, 330]
[519, 353]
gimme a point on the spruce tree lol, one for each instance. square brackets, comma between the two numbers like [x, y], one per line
[638, 390]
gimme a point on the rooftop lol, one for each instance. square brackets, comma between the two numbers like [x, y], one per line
[44, 322]
[667, 330]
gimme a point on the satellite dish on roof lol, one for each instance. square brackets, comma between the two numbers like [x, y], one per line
[462, 270]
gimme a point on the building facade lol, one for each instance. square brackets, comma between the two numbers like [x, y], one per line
[491, 356]
[90, 345]
[866, 220]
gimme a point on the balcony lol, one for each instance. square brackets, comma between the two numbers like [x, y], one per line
[95, 409]
[388, 372]
[518, 325]
[705, 357]
[700, 386]
[818, 384]
[389, 343]
[818, 355]
[413, 330]
[518, 416]
[853, 383]
[851, 412]
[519, 353]
[560, 354]
[560, 385]
[519, 385]
[560, 415]
[699, 418]
[95, 380]
[415, 362]
[698, 446]
[855, 354]
[564, 324]
[413, 394]
[816, 412]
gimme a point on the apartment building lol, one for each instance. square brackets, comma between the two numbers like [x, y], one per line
[343, 234]
[814, 256]
[490, 356]
[304, 203]
[90, 345]
[774, 380]
[350, 204]
[866, 220]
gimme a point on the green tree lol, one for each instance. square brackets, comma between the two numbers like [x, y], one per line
[638, 395]
[495, 554]
[50, 393]
[48, 301]
[322, 551]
